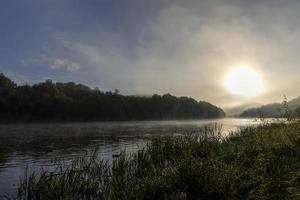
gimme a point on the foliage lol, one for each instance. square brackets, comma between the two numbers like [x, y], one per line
[70, 101]
[7, 91]
[287, 109]
[270, 110]
[253, 163]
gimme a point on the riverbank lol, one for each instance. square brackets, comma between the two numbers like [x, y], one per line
[254, 163]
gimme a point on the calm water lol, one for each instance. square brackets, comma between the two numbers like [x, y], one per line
[35, 145]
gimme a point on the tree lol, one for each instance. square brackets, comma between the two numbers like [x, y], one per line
[7, 91]
[71, 101]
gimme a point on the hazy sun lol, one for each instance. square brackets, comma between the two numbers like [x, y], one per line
[244, 81]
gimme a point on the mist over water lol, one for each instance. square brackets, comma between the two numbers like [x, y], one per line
[36, 146]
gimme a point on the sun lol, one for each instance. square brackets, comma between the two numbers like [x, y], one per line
[244, 81]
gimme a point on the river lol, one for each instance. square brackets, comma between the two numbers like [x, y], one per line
[34, 146]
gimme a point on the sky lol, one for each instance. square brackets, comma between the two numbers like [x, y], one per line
[143, 47]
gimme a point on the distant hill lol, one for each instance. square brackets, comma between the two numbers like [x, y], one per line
[48, 101]
[294, 103]
[273, 110]
[237, 110]
[269, 110]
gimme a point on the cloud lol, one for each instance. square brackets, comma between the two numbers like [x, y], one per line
[186, 48]
[180, 51]
[60, 63]
[53, 63]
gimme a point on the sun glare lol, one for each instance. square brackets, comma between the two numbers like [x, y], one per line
[244, 81]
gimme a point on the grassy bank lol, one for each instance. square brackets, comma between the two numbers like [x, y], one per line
[255, 163]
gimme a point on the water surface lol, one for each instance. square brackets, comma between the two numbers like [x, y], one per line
[34, 146]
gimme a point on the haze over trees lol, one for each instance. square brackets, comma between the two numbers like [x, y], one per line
[291, 108]
[270, 110]
[77, 102]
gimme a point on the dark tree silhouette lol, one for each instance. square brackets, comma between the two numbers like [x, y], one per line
[77, 102]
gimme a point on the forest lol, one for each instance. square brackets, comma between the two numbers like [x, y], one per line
[49, 101]
[285, 109]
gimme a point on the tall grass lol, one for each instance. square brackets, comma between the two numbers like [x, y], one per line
[253, 163]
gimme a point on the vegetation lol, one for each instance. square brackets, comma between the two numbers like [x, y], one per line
[284, 109]
[77, 102]
[253, 163]
[270, 110]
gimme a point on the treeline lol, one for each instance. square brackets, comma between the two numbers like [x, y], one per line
[270, 110]
[76, 102]
[285, 109]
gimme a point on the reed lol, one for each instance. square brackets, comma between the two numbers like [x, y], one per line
[252, 163]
